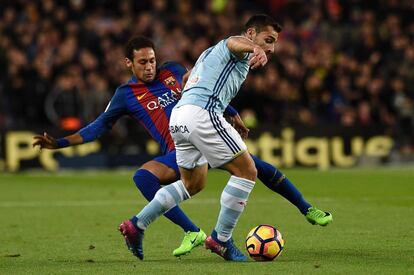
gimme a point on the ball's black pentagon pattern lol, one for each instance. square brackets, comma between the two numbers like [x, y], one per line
[254, 239]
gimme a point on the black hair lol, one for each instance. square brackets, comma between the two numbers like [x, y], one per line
[260, 21]
[137, 43]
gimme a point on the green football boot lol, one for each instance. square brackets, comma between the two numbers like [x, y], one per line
[191, 240]
[316, 216]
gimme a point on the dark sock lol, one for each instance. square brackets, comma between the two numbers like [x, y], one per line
[279, 183]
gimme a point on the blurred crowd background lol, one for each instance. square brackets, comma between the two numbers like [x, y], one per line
[348, 63]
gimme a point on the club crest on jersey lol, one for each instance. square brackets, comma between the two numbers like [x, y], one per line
[170, 81]
[193, 80]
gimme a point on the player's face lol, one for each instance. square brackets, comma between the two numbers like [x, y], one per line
[266, 39]
[143, 65]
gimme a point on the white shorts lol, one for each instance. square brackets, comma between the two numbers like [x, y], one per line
[201, 136]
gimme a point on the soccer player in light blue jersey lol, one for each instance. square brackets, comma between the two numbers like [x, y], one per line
[149, 97]
[201, 135]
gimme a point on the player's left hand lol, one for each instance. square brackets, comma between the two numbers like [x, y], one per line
[258, 59]
[45, 141]
[238, 124]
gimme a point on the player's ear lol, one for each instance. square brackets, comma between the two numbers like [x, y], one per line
[251, 33]
[128, 62]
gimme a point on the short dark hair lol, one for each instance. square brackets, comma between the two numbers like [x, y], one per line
[137, 43]
[260, 21]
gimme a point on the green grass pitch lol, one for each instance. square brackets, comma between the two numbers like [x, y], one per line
[67, 223]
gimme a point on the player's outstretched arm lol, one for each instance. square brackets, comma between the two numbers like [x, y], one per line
[49, 142]
[103, 123]
[240, 46]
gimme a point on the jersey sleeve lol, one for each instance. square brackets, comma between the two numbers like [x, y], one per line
[176, 68]
[222, 51]
[115, 109]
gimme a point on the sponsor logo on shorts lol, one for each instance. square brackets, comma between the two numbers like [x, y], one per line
[179, 129]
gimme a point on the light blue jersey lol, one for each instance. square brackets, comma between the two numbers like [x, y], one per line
[215, 79]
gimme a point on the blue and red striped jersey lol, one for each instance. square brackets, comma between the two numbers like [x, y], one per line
[150, 104]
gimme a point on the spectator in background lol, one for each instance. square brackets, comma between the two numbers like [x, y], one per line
[64, 104]
[404, 108]
[96, 95]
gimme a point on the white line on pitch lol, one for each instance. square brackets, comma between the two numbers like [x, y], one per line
[91, 203]
[196, 201]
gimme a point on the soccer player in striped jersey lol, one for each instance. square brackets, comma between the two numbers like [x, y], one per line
[201, 135]
[149, 97]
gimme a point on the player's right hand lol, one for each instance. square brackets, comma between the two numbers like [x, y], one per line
[45, 141]
[238, 124]
[258, 59]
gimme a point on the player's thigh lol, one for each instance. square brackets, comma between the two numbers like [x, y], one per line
[217, 140]
[193, 168]
[183, 122]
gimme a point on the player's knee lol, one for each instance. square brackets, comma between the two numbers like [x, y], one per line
[193, 187]
[247, 172]
[194, 190]
[137, 177]
[251, 173]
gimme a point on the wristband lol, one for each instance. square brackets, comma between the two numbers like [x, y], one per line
[62, 143]
[230, 111]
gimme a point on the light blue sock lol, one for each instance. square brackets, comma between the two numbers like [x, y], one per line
[149, 184]
[233, 200]
[165, 199]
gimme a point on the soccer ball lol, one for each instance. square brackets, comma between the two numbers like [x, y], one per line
[264, 243]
